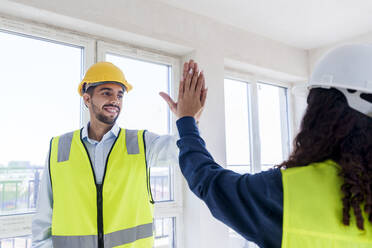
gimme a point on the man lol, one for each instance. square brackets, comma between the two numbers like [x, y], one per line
[322, 195]
[95, 190]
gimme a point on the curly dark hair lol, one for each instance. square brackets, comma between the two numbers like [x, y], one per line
[330, 129]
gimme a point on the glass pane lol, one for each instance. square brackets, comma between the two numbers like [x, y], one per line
[38, 100]
[143, 108]
[237, 125]
[161, 184]
[272, 110]
[165, 232]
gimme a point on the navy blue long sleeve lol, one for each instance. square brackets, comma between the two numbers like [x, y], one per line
[252, 205]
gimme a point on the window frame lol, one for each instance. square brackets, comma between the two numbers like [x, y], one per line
[285, 123]
[49, 34]
[249, 114]
[254, 131]
[94, 50]
[252, 81]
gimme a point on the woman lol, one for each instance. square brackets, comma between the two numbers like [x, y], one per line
[322, 195]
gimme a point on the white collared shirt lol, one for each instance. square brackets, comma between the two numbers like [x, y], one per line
[98, 150]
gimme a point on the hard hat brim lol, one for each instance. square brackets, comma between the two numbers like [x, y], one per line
[126, 86]
[343, 86]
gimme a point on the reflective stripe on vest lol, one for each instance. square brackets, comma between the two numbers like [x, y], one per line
[126, 202]
[64, 147]
[111, 240]
[312, 210]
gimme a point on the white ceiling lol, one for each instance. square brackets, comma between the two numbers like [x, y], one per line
[301, 23]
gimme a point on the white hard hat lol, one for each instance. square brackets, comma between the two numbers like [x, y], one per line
[349, 69]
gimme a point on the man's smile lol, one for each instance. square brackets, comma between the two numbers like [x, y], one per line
[112, 110]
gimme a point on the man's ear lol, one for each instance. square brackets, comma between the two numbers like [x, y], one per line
[87, 99]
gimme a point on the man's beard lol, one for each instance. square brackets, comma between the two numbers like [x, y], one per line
[102, 117]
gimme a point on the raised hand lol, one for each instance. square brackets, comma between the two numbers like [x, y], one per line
[192, 93]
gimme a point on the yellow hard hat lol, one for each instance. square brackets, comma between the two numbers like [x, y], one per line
[103, 72]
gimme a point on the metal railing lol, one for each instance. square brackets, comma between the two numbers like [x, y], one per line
[19, 242]
[19, 188]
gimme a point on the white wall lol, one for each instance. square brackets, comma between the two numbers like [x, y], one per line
[157, 21]
[170, 30]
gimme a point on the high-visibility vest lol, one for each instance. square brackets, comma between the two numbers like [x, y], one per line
[117, 213]
[312, 210]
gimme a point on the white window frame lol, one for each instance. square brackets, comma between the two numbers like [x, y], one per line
[94, 50]
[162, 209]
[253, 116]
[46, 33]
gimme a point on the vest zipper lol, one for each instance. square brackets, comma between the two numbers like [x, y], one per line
[99, 187]
[100, 216]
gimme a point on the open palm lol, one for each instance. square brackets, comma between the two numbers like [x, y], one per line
[192, 93]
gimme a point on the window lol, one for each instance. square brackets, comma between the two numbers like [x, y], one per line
[257, 130]
[143, 108]
[256, 125]
[273, 124]
[237, 125]
[164, 232]
[38, 100]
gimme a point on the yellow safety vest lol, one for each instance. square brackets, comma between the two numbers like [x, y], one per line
[312, 210]
[118, 213]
